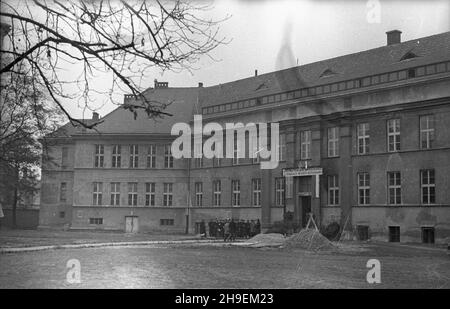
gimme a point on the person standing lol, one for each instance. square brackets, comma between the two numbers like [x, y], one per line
[210, 228]
[226, 231]
[258, 227]
[203, 228]
[233, 231]
[247, 229]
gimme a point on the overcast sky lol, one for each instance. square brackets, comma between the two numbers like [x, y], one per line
[271, 35]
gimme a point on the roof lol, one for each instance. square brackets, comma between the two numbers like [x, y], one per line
[182, 104]
[383, 59]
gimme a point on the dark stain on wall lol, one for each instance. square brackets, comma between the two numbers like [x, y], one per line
[425, 217]
[395, 214]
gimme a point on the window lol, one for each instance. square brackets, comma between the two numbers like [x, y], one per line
[363, 138]
[62, 214]
[235, 150]
[132, 194]
[393, 129]
[282, 148]
[151, 156]
[150, 194]
[428, 186]
[97, 221]
[394, 234]
[279, 191]
[256, 194]
[167, 194]
[198, 153]
[428, 235]
[115, 193]
[216, 160]
[236, 193]
[116, 156]
[166, 222]
[256, 159]
[426, 131]
[408, 55]
[362, 232]
[333, 142]
[198, 162]
[97, 193]
[363, 188]
[99, 155]
[217, 192]
[333, 190]
[394, 188]
[305, 145]
[254, 150]
[63, 192]
[64, 157]
[198, 194]
[168, 159]
[134, 156]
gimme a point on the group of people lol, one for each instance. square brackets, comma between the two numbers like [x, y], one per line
[230, 229]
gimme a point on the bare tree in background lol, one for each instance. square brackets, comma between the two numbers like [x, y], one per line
[124, 39]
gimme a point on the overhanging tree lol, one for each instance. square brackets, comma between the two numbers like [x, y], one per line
[125, 39]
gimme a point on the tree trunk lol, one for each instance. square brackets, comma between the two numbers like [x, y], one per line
[16, 198]
[14, 209]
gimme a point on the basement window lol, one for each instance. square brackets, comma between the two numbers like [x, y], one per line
[428, 235]
[96, 221]
[363, 232]
[166, 222]
[394, 234]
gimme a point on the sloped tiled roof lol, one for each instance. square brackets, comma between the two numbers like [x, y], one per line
[182, 104]
[374, 61]
[188, 101]
[68, 129]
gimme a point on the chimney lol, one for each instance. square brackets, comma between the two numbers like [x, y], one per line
[200, 85]
[256, 72]
[161, 84]
[95, 116]
[393, 37]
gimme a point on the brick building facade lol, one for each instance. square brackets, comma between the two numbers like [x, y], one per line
[365, 142]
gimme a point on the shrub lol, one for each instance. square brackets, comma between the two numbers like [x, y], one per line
[331, 231]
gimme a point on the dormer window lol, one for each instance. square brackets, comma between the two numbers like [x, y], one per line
[261, 86]
[409, 55]
[327, 73]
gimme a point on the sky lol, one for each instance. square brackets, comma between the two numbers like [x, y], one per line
[268, 35]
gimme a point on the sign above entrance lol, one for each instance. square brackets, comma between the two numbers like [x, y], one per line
[295, 172]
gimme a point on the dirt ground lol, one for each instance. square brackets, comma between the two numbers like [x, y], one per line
[27, 238]
[219, 266]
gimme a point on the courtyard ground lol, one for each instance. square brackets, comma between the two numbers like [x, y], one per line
[223, 266]
[28, 238]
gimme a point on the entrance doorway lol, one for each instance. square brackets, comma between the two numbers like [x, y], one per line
[131, 224]
[306, 209]
[303, 209]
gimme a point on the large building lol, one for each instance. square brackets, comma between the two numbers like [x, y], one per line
[364, 142]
